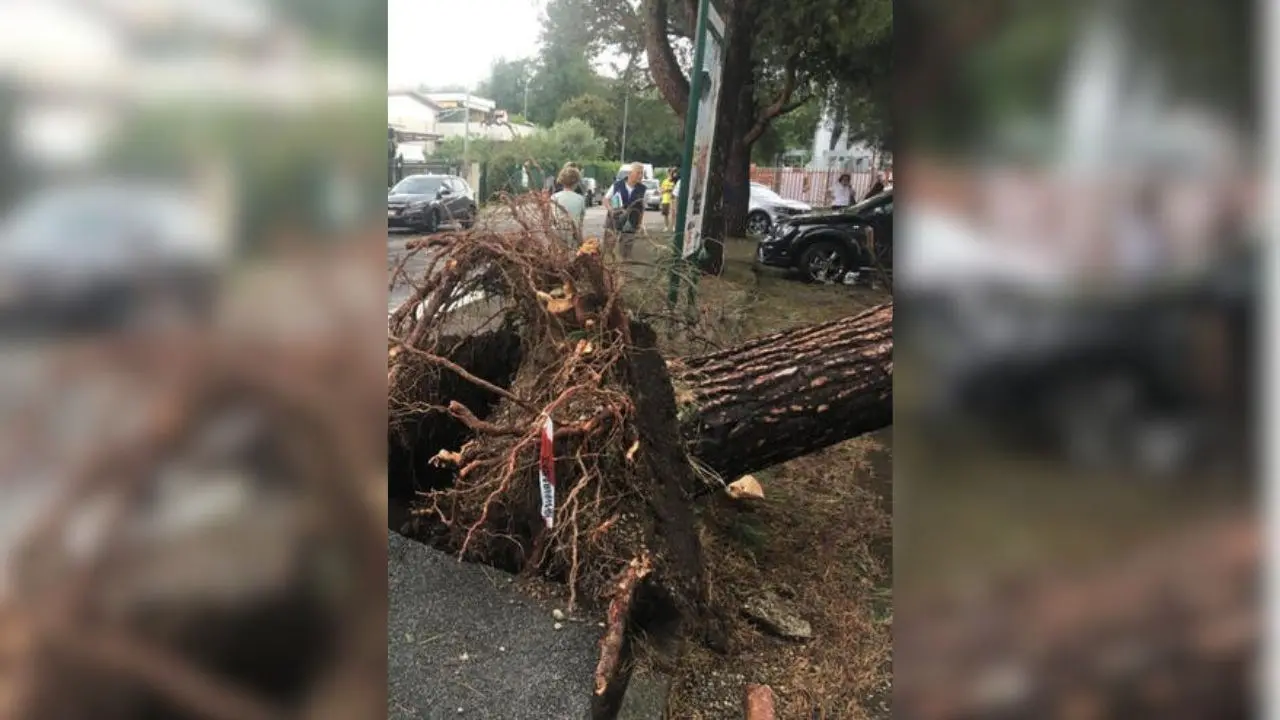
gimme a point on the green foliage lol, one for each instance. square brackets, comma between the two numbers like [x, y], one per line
[564, 69]
[654, 132]
[547, 148]
[791, 132]
[506, 83]
[600, 113]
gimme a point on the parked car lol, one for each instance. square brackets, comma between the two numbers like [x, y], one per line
[765, 208]
[1104, 382]
[652, 195]
[591, 191]
[425, 202]
[97, 256]
[832, 246]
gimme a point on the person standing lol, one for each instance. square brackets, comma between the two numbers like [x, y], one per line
[571, 201]
[559, 185]
[842, 193]
[626, 209]
[876, 188]
[668, 208]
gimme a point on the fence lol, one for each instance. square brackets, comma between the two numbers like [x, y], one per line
[811, 186]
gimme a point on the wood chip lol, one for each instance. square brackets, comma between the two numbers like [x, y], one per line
[759, 702]
[745, 488]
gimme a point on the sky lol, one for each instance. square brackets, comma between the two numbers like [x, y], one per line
[454, 42]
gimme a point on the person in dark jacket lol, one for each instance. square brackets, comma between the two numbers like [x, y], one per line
[876, 188]
[626, 210]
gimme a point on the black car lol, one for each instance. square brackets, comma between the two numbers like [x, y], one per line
[828, 246]
[425, 202]
[1105, 381]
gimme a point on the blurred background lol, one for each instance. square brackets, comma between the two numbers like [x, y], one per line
[1074, 529]
[190, 432]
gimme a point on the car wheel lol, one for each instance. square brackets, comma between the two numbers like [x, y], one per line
[758, 223]
[825, 262]
[470, 221]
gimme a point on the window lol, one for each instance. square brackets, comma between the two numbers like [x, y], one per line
[418, 185]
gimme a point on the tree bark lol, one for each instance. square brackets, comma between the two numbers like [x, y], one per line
[727, 196]
[789, 394]
[667, 76]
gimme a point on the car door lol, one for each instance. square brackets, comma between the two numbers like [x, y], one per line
[466, 197]
[452, 199]
[880, 218]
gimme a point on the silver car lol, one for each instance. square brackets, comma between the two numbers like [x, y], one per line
[652, 195]
[766, 207]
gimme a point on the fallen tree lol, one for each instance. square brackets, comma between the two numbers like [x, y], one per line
[742, 409]
[786, 395]
[606, 507]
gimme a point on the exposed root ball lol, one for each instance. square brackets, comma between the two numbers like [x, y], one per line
[622, 478]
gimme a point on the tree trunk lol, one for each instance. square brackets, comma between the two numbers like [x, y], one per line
[789, 394]
[672, 85]
[727, 195]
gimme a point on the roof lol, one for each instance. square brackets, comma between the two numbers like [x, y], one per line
[475, 102]
[420, 97]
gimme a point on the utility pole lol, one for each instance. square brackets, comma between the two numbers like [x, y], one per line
[525, 114]
[626, 110]
[466, 134]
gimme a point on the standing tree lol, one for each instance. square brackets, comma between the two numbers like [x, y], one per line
[818, 51]
[506, 84]
[596, 111]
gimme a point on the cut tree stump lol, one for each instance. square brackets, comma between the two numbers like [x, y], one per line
[789, 394]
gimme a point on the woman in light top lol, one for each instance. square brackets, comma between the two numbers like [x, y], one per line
[574, 205]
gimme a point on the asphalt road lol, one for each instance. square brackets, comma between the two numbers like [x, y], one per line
[463, 642]
[396, 240]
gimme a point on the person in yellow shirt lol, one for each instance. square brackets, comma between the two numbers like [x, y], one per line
[668, 212]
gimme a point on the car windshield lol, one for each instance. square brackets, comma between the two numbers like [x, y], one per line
[651, 184]
[418, 185]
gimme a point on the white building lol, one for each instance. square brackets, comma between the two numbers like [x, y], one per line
[845, 155]
[463, 113]
[416, 115]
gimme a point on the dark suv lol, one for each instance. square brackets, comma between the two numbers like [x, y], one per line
[827, 246]
[424, 202]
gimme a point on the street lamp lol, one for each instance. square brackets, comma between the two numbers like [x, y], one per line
[527, 78]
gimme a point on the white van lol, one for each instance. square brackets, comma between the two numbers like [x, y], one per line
[625, 170]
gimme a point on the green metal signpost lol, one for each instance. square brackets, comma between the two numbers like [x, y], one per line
[699, 132]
